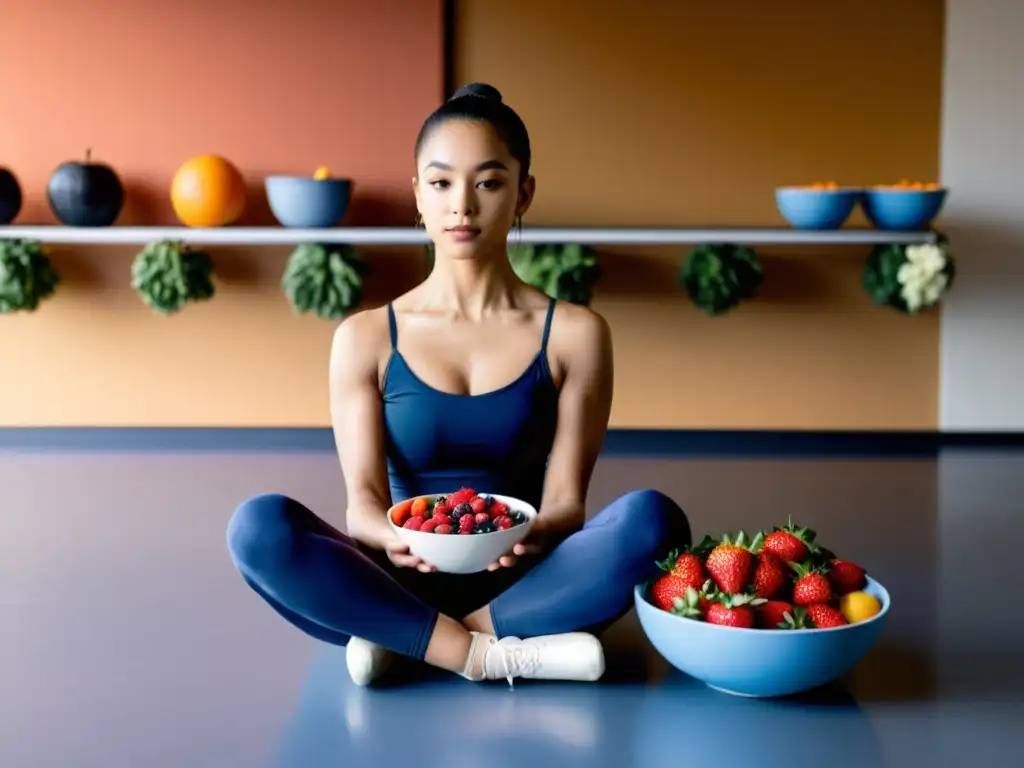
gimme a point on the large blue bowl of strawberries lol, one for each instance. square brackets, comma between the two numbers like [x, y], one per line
[463, 531]
[771, 614]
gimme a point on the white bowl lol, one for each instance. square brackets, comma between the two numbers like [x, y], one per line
[450, 553]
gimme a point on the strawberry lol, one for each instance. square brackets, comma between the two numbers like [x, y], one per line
[688, 566]
[812, 586]
[690, 605]
[441, 519]
[413, 523]
[430, 524]
[461, 496]
[666, 589]
[790, 543]
[771, 576]
[846, 576]
[796, 619]
[442, 507]
[734, 610]
[443, 529]
[825, 616]
[478, 505]
[731, 563]
[772, 614]
[498, 508]
[401, 512]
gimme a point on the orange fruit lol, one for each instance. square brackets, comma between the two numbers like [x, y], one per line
[207, 191]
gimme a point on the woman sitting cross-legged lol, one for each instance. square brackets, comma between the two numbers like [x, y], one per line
[472, 379]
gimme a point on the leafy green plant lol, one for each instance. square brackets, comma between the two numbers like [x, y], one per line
[567, 272]
[717, 277]
[167, 274]
[27, 276]
[326, 280]
[909, 278]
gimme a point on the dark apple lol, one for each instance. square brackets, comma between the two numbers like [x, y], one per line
[85, 194]
[10, 197]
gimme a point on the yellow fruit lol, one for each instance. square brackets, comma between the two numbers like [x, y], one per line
[323, 172]
[858, 606]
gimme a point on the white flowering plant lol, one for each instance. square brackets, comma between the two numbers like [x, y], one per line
[909, 278]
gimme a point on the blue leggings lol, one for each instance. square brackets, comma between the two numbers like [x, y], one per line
[332, 587]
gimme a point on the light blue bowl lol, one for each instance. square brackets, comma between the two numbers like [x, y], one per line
[759, 662]
[806, 208]
[302, 201]
[906, 209]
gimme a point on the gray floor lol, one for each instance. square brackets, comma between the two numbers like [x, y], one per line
[127, 639]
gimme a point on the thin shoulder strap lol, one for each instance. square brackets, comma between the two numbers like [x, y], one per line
[547, 326]
[392, 326]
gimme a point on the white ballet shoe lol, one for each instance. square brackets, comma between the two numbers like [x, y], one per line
[366, 661]
[570, 656]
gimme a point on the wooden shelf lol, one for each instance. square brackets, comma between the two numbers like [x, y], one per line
[593, 236]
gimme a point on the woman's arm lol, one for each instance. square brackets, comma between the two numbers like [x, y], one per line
[358, 424]
[584, 346]
[584, 407]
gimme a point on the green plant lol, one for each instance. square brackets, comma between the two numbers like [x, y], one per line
[567, 272]
[717, 277]
[324, 279]
[27, 276]
[909, 278]
[167, 274]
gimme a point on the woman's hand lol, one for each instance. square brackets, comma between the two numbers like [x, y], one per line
[398, 553]
[534, 544]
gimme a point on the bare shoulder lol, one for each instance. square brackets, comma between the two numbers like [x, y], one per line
[580, 337]
[360, 342]
[574, 324]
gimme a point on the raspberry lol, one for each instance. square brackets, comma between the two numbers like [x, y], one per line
[460, 496]
[482, 517]
[443, 529]
[413, 523]
[466, 523]
[503, 522]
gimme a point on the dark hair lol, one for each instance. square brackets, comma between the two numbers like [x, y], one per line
[480, 102]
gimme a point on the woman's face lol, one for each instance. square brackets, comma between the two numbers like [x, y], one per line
[467, 189]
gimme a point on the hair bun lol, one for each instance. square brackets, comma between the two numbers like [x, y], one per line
[480, 90]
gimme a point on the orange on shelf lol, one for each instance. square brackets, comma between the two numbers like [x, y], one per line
[208, 191]
[911, 186]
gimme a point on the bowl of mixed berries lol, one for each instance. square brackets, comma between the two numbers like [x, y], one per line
[463, 531]
[771, 614]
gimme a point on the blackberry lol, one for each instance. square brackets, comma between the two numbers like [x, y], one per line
[463, 509]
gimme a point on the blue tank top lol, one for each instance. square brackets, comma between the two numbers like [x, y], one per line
[494, 442]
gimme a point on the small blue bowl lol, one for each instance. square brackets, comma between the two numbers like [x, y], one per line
[759, 662]
[905, 209]
[807, 208]
[302, 201]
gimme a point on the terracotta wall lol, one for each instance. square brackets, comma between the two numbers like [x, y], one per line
[342, 83]
[671, 113]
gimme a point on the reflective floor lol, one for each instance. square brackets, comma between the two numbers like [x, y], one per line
[127, 639]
